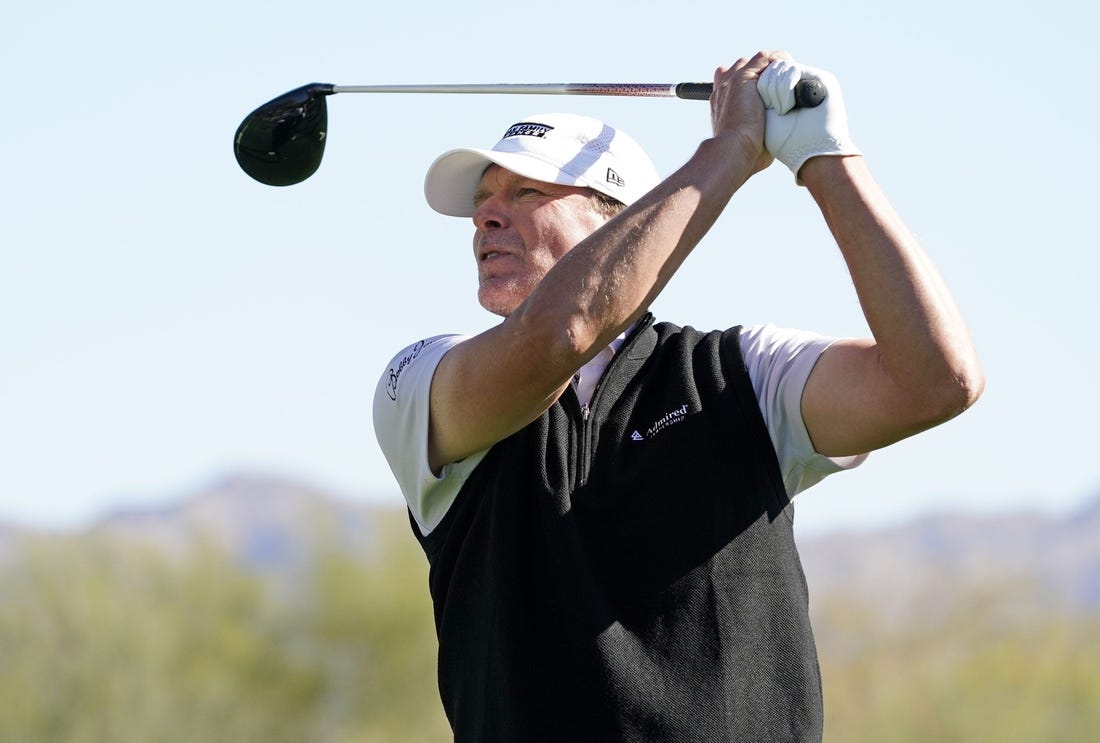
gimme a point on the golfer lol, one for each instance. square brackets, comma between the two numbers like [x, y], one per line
[604, 498]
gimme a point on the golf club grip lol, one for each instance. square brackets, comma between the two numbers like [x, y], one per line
[694, 91]
[807, 93]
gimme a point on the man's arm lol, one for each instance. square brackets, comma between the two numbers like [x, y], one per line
[497, 382]
[920, 369]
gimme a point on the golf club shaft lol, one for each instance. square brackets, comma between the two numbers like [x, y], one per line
[282, 141]
[693, 91]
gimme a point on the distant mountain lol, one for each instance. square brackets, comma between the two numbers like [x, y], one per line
[264, 523]
[9, 534]
[1055, 558]
[272, 525]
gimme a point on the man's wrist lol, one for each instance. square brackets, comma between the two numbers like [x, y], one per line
[820, 170]
[731, 156]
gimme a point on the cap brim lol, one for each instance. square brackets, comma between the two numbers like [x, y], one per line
[453, 179]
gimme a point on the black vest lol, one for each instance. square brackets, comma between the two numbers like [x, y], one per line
[629, 573]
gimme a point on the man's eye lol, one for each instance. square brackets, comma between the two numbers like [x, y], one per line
[529, 192]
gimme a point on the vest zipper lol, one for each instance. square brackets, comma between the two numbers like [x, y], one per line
[584, 458]
[584, 455]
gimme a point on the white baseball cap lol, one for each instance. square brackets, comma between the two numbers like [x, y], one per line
[566, 149]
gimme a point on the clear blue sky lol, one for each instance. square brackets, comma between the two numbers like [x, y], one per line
[165, 320]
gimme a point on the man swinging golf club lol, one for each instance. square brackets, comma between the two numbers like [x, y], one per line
[604, 499]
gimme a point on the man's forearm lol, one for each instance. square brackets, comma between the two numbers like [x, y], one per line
[922, 340]
[602, 285]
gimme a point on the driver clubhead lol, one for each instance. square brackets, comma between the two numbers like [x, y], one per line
[281, 143]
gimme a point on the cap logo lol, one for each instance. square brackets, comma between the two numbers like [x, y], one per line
[615, 179]
[527, 129]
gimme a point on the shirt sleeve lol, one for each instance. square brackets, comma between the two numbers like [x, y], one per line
[779, 361]
[401, 417]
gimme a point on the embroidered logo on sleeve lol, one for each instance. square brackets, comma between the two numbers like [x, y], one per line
[403, 363]
[671, 418]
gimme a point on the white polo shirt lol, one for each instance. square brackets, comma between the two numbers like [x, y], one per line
[779, 361]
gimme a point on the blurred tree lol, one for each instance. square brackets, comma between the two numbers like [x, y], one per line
[106, 640]
[367, 620]
[1002, 661]
[103, 641]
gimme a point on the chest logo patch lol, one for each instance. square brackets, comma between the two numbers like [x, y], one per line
[671, 418]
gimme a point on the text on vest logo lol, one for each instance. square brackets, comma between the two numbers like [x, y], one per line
[669, 419]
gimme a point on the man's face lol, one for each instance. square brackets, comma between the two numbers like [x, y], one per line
[521, 228]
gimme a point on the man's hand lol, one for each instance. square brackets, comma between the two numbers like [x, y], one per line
[737, 111]
[793, 135]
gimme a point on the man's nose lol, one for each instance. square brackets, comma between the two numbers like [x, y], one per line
[489, 215]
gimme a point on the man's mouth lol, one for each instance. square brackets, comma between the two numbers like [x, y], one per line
[490, 248]
[488, 254]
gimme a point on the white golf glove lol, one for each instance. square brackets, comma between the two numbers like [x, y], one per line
[794, 136]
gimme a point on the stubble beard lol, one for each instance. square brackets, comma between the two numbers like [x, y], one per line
[502, 298]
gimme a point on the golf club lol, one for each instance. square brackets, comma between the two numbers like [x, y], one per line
[281, 143]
